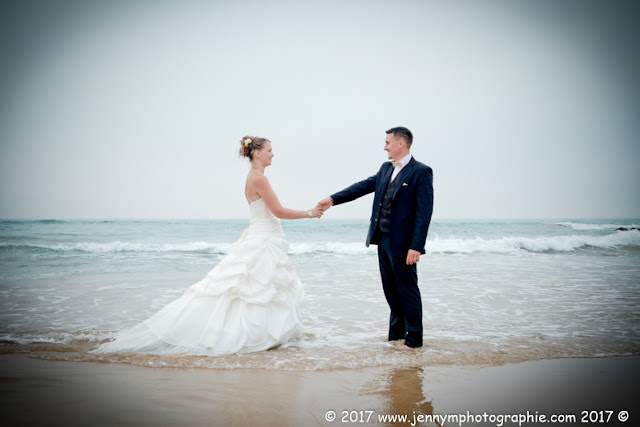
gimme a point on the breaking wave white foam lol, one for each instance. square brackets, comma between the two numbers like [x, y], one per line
[566, 243]
[534, 244]
[584, 227]
[57, 337]
[118, 246]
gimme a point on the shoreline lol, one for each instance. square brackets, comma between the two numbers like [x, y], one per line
[43, 392]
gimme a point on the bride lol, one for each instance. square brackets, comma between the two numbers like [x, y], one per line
[248, 302]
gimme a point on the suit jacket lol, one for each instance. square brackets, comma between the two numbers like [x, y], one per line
[411, 205]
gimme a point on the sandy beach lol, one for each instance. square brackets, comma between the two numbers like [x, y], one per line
[42, 392]
[131, 200]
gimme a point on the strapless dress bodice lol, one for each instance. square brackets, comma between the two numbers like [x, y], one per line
[262, 219]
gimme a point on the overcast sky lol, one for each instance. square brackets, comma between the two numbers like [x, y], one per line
[135, 109]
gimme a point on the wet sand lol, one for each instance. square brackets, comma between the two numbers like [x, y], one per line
[42, 392]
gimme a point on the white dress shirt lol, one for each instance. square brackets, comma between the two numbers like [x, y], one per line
[403, 162]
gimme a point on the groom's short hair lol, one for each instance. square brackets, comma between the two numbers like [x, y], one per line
[404, 133]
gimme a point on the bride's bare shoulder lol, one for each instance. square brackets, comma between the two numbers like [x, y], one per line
[256, 179]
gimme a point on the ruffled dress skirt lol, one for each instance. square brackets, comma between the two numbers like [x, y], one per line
[247, 303]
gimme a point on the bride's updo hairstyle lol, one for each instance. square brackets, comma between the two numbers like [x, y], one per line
[251, 144]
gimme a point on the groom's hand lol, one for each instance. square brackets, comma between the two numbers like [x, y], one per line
[325, 203]
[413, 257]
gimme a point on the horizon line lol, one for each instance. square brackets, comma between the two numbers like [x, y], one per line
[326, 219]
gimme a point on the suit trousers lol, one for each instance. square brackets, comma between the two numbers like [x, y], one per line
[400, 284]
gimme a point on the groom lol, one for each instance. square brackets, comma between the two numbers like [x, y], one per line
[402, 209]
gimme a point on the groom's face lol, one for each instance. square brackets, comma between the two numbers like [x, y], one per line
[394, 146]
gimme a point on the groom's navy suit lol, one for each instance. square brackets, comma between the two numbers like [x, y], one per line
[400, 221]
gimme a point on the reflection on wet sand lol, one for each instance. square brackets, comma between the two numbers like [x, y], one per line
[400, 392]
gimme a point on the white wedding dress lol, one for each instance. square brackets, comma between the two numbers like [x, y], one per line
[247, 303]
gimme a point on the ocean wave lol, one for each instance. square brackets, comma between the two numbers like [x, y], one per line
[534, 244]
[118, 246]
[589, 227]
[57, 337]
[294, 356]
[566, 243]
[340, 248]
[503, 245]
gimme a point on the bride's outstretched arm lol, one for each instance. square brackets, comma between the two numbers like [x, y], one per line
[265, 191]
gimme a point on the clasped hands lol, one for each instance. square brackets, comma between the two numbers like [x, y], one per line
[324, 204]
[321, 207]
[413, 256]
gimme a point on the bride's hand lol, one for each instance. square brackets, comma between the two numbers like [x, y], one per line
[316, 213]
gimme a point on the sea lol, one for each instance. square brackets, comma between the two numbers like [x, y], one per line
[493, 291]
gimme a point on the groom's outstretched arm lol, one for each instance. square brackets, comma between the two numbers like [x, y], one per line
[355, 191]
